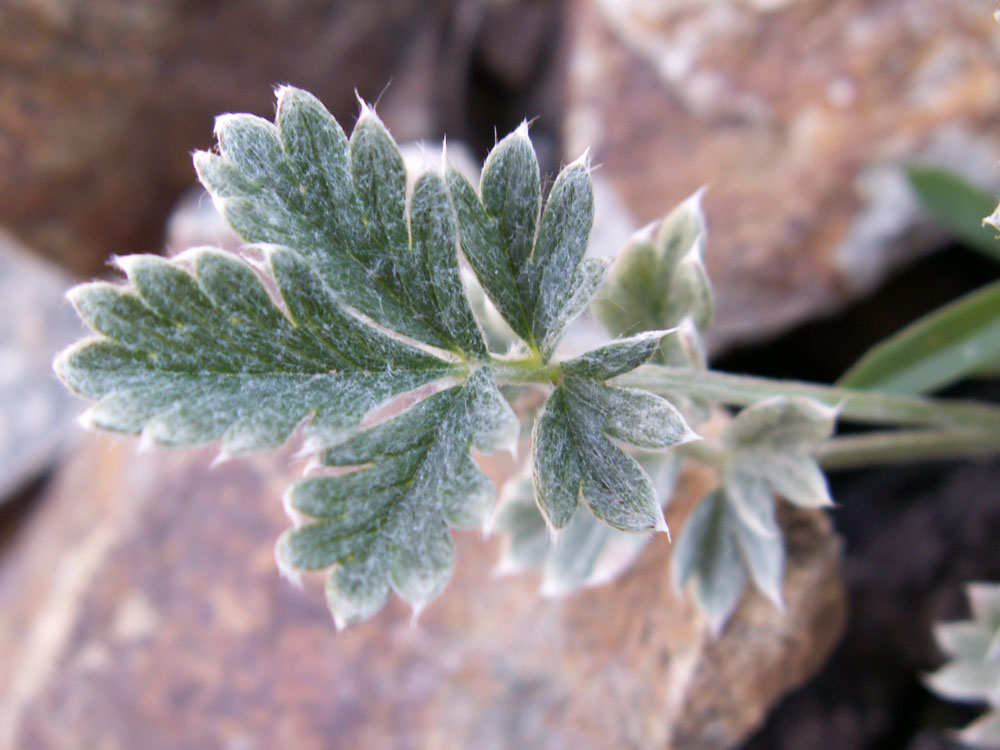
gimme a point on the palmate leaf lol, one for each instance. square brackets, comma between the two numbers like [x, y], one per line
[359, 299]
[574, 458]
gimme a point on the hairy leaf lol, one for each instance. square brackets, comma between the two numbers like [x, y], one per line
[386, 524]
[575, 460]
[586, 552]
[707, 560]
[359, 299]
[733, 533]
[973, 672]
[190, 355]
[717, 550]
[771, 447]
[659, 281]
[529, 261]
[342, 205]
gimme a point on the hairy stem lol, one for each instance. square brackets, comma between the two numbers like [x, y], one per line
[905, 446]
[855, 406]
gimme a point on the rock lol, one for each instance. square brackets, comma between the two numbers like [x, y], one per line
[142, 608]
[102, 101]
[36, 411]
[799, 116]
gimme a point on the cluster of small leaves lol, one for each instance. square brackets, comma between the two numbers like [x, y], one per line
[733, 533]
[360, 299]
[657, 282]
[973, 673]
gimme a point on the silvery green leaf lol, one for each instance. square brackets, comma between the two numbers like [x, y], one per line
[341, 204]
[498, 229]
[636, 417]
[554, 279]
[526, 537]
[984, 732]
[964, 680]
[707, 561]
[984, 601]
[752, 500]
[781, 424]
[588, 552]
[769, 446]
[973, 672]
[557, 469]
[621, 355]
[385, 524]
[554, 314]
[764, 560]
[968, 639]
[193, 355]
[575, 460]
[795, 476]
[511, 192]
[531, 266]
[659, 280]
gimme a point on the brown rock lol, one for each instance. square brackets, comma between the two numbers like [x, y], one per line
[36, 411]
[143, 608]
[799, 115]
[101, 102]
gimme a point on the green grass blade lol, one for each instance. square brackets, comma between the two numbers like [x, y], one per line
[958, 339]
[958, 205]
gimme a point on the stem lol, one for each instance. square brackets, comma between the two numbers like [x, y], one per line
[707, 451]
[856, 406]
[523, 371]
[904, 446]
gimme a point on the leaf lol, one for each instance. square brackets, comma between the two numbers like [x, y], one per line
[529, 261]
[763, 559]
[190, 356]
[770, 448]
[972, 673]
[659, 281]
[526, 537]
[574, 459]
[959, 205]
[983, 732]
[954, 341]
[780, 423]
[386, 524]
[586, 552]
[359, 298]
[707, 560]
[342, 205]
[615, 358]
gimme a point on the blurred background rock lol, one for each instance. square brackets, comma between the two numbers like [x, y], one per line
[800, 116]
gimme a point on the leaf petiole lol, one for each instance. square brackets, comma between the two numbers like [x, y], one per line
[869, 407]
[905, 446]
